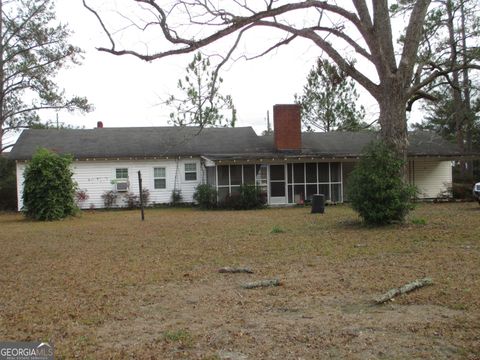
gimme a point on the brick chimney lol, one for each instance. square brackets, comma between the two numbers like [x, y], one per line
[287, 129]
[99, 124]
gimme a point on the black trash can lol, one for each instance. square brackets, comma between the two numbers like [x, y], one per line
[318, 204]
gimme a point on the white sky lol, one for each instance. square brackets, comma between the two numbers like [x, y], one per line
[126, 91]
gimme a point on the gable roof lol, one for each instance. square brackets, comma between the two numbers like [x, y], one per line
[214, 143]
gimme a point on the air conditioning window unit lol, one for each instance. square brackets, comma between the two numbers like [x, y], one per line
[122, 185]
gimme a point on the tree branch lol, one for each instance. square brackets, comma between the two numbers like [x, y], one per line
[332, 53]
[232, 25]
[436, 74]
[383, 33]
[417, 96]
[101, 23]
[6, 147]
[413, 36]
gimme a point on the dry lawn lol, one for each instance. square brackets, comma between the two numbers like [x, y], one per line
[104, 285]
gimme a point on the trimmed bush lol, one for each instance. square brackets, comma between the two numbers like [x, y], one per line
[206, 196]
[376, 190]
[48, 189]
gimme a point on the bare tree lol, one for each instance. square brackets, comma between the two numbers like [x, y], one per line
[341, 29]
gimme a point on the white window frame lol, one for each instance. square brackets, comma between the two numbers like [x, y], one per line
[164, 177]
[121, 180]
[185, 172]
[116, 173]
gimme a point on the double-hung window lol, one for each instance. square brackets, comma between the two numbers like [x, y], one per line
[190, 172]
[121, 173]
[159, 178]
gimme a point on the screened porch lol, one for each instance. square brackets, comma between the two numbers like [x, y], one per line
[287, 183]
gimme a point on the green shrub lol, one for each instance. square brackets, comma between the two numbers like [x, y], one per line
[206, 196]
[231, 202]
[376, 189]
[8, 184]
[248, 198]
[48, 189]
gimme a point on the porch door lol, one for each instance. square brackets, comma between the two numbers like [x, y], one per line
[277, 184]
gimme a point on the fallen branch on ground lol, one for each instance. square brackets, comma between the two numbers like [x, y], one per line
[390, 294]
[235, 270]
[261, 283]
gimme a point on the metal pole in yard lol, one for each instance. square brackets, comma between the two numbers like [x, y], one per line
[141, 193]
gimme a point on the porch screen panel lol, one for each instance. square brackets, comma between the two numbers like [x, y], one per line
[325, 190]
[311, 190]
[249, 174]
[223, 175]
[211, 176]
[236, 175]
[311, 171]
[299, 173]
[335, 172]
[262, 181]
[223, 192]
[298, 193]
[323, 172]
[336, 197]
[261, 174]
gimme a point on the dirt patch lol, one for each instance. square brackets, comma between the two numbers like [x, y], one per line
[272, 323]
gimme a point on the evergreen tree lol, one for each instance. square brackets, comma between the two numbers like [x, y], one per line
[33, 48]
[329, 100]
[202, 103]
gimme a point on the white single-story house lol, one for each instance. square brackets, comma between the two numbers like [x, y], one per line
[288, 166]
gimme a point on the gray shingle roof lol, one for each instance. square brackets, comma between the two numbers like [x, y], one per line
[215, 143]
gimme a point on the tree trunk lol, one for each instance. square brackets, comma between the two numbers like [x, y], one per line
[393, 120]
[467, 108]
[2, 120]
[458, 104]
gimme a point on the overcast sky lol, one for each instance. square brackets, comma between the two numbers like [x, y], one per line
[128, 92]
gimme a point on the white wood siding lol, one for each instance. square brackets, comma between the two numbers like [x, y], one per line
[431, 177]
[20, 170]
[95, 177]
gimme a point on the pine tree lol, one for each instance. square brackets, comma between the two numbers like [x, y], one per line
[329, 100]
[33, 48]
